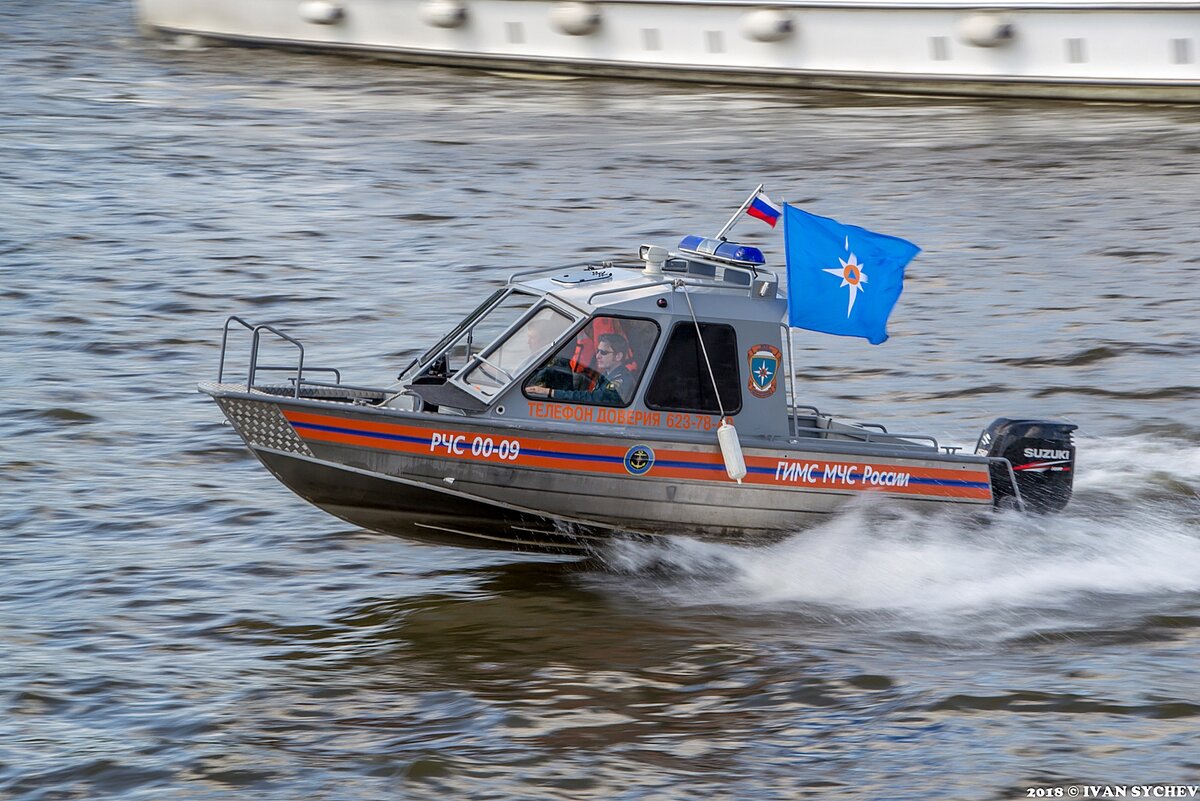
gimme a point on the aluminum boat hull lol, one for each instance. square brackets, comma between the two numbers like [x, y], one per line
[415, 474]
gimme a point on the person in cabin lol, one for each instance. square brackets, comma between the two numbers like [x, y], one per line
[614, 383]
[589, 339]
[540, 332]
[556, 372]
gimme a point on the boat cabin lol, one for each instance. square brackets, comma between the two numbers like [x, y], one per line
[674, 341]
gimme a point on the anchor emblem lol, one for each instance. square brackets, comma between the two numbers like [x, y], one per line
[639, 459]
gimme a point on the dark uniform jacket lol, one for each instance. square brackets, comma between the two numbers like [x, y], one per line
[613, 389]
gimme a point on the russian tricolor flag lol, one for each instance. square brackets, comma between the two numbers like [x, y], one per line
[765, 209]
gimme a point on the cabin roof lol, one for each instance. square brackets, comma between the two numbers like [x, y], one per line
[715, 289]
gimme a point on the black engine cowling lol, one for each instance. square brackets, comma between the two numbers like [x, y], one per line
[1042, 454]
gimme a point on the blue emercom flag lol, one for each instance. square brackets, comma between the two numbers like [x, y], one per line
[842, 279]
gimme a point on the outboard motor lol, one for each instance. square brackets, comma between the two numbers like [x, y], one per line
[1042, 454]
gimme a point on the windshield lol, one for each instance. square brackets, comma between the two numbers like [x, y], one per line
[505, 361]
[461, 331]
[477, 330]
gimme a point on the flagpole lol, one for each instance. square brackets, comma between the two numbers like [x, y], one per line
[733, 220]
[791, 342]
[783, 209]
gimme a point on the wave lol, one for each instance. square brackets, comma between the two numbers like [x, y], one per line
[1132, 531]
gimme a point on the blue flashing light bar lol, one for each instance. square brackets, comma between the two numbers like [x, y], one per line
[718, 250]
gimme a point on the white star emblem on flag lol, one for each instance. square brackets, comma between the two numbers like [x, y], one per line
[852, 275]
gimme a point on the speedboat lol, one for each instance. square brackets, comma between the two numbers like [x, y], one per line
[641, 397]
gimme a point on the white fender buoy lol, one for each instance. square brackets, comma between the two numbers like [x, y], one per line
[986, 29]
[768, 25]
[443, 13]
[321, 12]
[575, 18]
[731, 450]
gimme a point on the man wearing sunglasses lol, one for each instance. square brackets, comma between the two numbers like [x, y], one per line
[614, 383]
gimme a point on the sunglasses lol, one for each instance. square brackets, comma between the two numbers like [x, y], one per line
[605, 352]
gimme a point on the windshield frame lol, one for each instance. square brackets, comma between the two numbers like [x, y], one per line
[450, 339]
[574, 318]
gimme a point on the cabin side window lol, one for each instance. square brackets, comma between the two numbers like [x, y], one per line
[682, 382]
[602, 365]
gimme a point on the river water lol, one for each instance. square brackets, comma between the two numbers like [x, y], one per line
[175, 624]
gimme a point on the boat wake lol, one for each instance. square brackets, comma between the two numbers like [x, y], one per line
[1132, 532]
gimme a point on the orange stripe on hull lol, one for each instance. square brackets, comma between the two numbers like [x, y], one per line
[783, 472]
